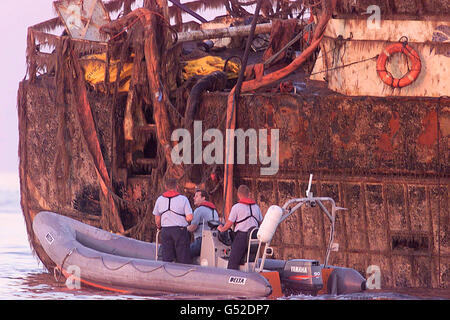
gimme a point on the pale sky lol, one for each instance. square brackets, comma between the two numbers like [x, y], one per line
[16, 16]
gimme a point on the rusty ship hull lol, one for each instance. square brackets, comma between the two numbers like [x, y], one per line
[386, 159]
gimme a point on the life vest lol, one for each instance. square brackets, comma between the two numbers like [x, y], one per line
[211, 206]
[169, 195]
[248, 202]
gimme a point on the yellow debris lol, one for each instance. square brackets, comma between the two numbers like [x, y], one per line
[207, 65]
[95, 67]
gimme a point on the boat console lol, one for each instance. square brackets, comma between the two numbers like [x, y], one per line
[295, 275]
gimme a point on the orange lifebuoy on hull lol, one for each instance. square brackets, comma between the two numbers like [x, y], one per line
[408, 78]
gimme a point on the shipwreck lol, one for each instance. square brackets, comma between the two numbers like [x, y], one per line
[357, 89]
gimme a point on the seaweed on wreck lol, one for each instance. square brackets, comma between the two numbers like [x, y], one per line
[154, 105]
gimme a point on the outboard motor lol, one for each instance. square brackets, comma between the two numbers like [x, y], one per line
[302, 275]
[345, 281]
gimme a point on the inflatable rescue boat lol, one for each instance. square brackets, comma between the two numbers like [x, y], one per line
[109, 261]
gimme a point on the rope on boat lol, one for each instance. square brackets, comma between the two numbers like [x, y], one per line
[59, 269]
[179, 276]
[57, 277]
[130, 262]
[345, 65]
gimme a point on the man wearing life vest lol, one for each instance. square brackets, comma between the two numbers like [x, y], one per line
[204, 212]
[244, 215]
[172, 213]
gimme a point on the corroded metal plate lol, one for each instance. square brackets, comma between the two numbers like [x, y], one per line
[83, 18]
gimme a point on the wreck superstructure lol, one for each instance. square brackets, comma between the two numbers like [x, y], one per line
[96, 146]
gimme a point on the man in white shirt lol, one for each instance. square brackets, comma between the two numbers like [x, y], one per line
[205, 212]
[172, 213]
[244, 215]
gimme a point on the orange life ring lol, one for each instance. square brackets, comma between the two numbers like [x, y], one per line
[408, 78]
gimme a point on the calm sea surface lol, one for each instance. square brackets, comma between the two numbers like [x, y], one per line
[23, 277]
